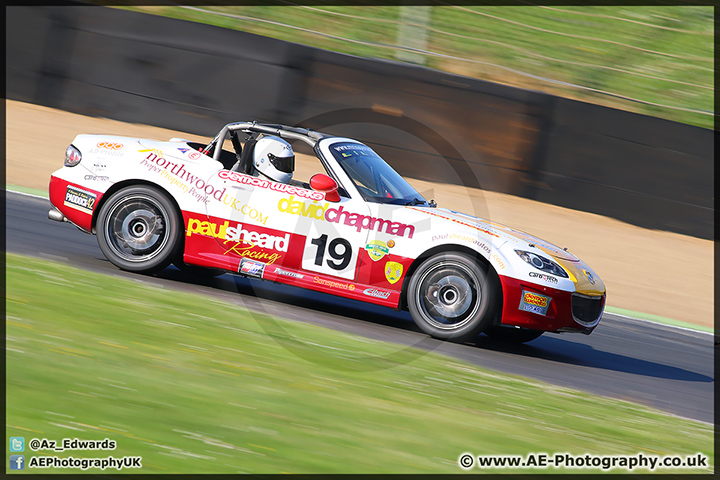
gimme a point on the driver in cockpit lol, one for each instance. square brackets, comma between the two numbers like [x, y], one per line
[274, 159]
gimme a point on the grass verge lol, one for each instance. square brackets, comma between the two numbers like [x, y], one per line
[193, 385]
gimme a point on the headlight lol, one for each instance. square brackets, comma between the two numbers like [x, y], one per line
[542, 263]
[72, 156]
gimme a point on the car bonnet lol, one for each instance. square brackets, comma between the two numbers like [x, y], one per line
[504, 233]
[585, 280]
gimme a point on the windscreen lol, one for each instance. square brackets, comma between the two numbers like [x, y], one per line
[375, 179]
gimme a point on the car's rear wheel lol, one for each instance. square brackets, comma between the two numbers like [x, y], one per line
[512, 334]
[138, 229]
[451, 297]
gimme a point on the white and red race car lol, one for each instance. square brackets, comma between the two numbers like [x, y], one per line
[359, 231]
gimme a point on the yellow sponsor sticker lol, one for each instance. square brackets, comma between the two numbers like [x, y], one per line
[393, 271]
[376, 249]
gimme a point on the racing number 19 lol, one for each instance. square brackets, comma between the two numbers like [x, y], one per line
[342, 257]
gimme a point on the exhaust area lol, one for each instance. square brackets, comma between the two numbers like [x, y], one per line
[54, 214]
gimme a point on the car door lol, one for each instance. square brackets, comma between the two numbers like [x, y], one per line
[246, 224]
[334, 233]
[285, 225]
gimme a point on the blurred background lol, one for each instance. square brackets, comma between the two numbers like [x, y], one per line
[655, 60]
[601, 109]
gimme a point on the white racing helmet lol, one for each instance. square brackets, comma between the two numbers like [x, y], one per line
[274, 158]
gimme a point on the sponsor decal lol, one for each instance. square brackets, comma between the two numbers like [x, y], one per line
[110, 149]
[241, 241]
[179, 176]
[374, 292]
[251, 268]
[96, 178]
[99, 167]
[393, 271]
[334, 284]
[476, 226]
[534, 302]
[238, 234]
[536, 299]
[376, 249]
[542, 276]
[203, 192]
[340, 215]
[461, 237]
[80, 199]
[110, 145]
[287, 273]
[184, 187]
[154, 151]
[249, 251]
[498, 261]
[106, 153]
[183, 150]
[391, 243]
[194, 155]
[263, 240]
[590, 277]
[296, 207]
[278, 187]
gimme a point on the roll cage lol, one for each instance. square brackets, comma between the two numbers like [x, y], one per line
[306, 135]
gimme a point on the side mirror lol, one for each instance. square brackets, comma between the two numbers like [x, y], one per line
[323, 183]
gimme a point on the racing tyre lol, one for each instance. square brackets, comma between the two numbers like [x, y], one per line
[450, 297]
[138, 229]
[512, 334]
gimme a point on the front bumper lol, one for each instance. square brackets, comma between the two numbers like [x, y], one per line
[564, 312]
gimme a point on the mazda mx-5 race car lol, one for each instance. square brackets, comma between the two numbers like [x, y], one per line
[358, 230]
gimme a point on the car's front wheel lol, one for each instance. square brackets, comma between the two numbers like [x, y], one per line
[451, 297]
[138, 229]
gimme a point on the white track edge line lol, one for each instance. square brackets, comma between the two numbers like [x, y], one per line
[661, 324]
[26, 194]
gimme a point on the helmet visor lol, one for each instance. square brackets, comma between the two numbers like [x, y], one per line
[284, 164]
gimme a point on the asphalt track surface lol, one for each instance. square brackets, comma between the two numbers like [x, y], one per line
[667, 368]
